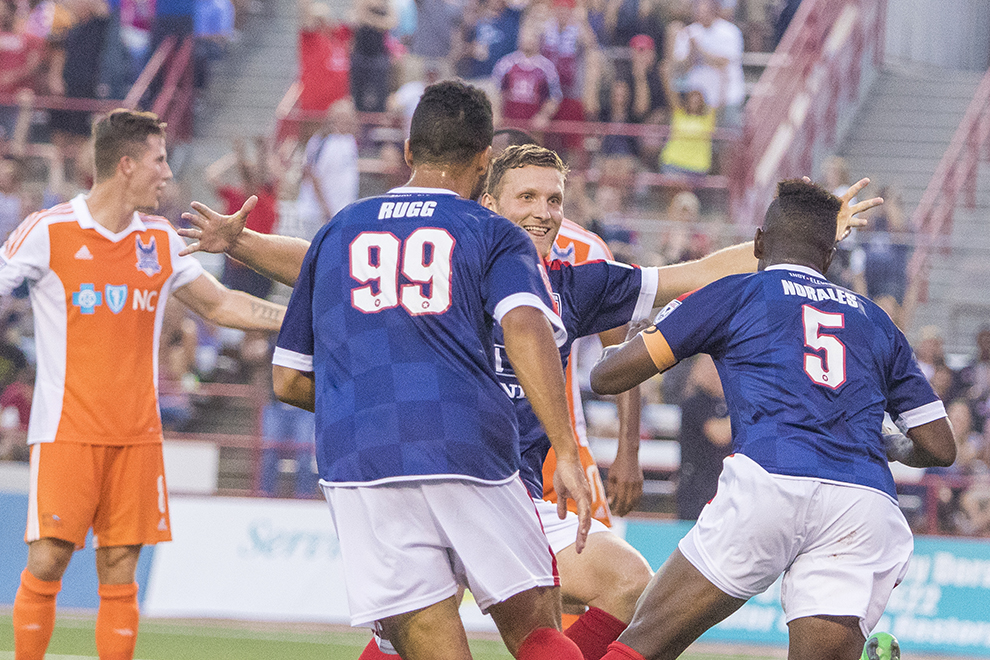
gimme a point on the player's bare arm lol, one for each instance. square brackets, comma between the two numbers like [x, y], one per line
[294, 387]
[533, 353]
[625, 475]
[276, 257]
[233, 309]
[927, 445]
[678, 279]
[627, 365]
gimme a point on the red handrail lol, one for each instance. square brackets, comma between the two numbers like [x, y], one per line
[956, 172]
[810, 85]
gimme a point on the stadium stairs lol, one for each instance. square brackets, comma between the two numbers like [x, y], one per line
[244, 88]
[898, 137]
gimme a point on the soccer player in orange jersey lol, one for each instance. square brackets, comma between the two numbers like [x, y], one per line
[575, 244]
[100, 272]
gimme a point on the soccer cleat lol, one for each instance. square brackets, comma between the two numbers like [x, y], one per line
[881, 646]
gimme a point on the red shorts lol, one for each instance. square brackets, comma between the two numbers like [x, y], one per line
[119, 491]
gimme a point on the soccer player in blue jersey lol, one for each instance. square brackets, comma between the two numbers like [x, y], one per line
[808, 369]
[388, 337]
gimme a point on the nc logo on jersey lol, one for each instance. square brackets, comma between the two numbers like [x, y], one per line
[87, 299]
[116, 295]
[147, 256]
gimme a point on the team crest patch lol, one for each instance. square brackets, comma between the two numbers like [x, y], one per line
[567, 254]
[116, 296]
[147, 256]
[665, 312]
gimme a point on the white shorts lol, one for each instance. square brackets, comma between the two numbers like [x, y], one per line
[842, 548]
[562, 533]
[409, 545]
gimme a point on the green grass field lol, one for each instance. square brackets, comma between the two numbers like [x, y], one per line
[161, 639]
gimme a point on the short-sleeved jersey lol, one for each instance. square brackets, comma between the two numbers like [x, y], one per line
[808, 370]
[98, 300]
[592, 297]
[394, 312]
[526, 83]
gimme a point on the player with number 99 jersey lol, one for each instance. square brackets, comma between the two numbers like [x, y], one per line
[412, 282]
[808, 370]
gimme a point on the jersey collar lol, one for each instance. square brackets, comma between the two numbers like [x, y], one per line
[86, 221]
[406, 190]
[800, 269]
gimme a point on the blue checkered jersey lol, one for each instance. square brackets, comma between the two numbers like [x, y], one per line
[808, 370]
[591, 297]
[393, 312]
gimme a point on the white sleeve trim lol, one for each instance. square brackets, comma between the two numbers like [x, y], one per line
[286, 358]
[923, 414]
[647, 293]
[526, 299]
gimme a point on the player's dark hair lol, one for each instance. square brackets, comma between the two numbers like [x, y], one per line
[451, 124]
[521, 156]
[801, 220]
[122, 133]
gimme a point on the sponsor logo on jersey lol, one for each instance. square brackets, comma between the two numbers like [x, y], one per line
[116, 295]
[84, 253]
[406, 210]
[147, 256]
[87, 299]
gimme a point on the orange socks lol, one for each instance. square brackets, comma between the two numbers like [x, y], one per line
[117, 621]
[34, 616]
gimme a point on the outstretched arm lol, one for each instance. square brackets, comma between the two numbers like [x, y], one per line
[233, 309]
[534, 356]
[678, 279]
[276, 257]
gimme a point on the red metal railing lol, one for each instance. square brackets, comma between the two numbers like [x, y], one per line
[173, 102]
[811, 84]
[955, 174]
[289, 119]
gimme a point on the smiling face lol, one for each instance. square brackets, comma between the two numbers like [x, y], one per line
[532, 197]
[148, 173]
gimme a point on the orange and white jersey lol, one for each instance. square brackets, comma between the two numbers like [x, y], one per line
[575, 244]
[98, 300]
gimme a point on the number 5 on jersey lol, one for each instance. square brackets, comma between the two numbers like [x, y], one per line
[830, 371]
[426, 263]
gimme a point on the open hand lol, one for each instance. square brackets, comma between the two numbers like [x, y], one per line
[212, 231]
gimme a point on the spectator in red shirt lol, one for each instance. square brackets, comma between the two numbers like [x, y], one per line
[324, 57]
[20, 58]
[255, 179]
[528, 81]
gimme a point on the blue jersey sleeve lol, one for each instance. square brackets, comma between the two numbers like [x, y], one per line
[699, 322]
[601, 295]
[295, 345]
[514, 276]
[910, 395]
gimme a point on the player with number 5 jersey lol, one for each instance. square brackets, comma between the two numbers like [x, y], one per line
[809, 369]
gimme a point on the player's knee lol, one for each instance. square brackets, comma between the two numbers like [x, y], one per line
[631, 575]
[48, 558]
